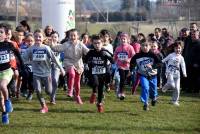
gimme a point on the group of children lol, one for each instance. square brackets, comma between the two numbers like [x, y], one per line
[44, 67]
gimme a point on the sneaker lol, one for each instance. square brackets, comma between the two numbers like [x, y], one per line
[100, 108]
[164, 90]
[145, 107]
[122, 96]
[5, 118]
[8, 106]
[53, 102]
[29, 97]
[175, 103]
[93, 98]
[78, 100]
[70, 94]
[107, 88]
[44, 109]
[153, 102]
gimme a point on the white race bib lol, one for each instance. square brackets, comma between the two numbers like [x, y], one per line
[4, 58]
[98, 70]
[122, 56]
[39, 55]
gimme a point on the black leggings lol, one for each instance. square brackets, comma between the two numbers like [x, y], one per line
[98, 85]
[123, 75]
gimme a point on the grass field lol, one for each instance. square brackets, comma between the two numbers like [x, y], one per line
[120, 117]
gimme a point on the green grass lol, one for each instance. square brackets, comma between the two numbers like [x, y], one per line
[123, 117]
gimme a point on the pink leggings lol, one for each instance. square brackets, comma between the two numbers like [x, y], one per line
[73, 81]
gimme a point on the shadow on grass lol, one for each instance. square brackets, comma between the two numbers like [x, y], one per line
[100, 127]
[77, 111]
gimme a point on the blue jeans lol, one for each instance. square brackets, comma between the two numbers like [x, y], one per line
[149, 88]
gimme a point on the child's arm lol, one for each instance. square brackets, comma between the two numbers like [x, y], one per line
[132, 62]
[166, 59]
[183, 67]
[53, 57]
[85, 50]
[59, 48]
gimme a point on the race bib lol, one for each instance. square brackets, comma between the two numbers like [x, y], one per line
[122, 56]
[98, 70]
[39, 55]
[4, 58]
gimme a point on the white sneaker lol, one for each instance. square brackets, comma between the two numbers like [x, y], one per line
[164, 90]
[175, 103]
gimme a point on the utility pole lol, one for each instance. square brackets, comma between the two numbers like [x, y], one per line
[107, 15]
[17, 13]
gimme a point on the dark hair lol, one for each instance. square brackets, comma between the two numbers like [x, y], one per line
[178, 43]
[143, 42]
[104, 32]
[19, 29]
[5, 27]
[96, 37]
[134, 38]
[141, 34]
[24, 23]
[73, 30]
[82, 35]
[55, 32]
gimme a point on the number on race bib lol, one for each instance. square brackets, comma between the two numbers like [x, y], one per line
[39, 57]
[4, 58]
[98, 70]
[122, 56]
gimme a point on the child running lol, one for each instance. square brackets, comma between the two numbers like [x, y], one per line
[146, 62]
[97, 61]
[27, 81]
[6, 72]
[174, 61]
[122, 56]
[55, 72]
[41, 57]
[74, 51]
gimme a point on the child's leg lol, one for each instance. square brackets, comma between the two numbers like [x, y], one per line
[101, 80]
[3, 88]
[123, 74]
[55, 76]
[38, 88]
[145, 90]
[48, 85]
[2, 102]
[95, 84]
[71, 78]
[169, 84]
[176, 91]
[5, 78]
[136, 83]
[77, 87]
[100, 94]
[117, 84]
[153, 90]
